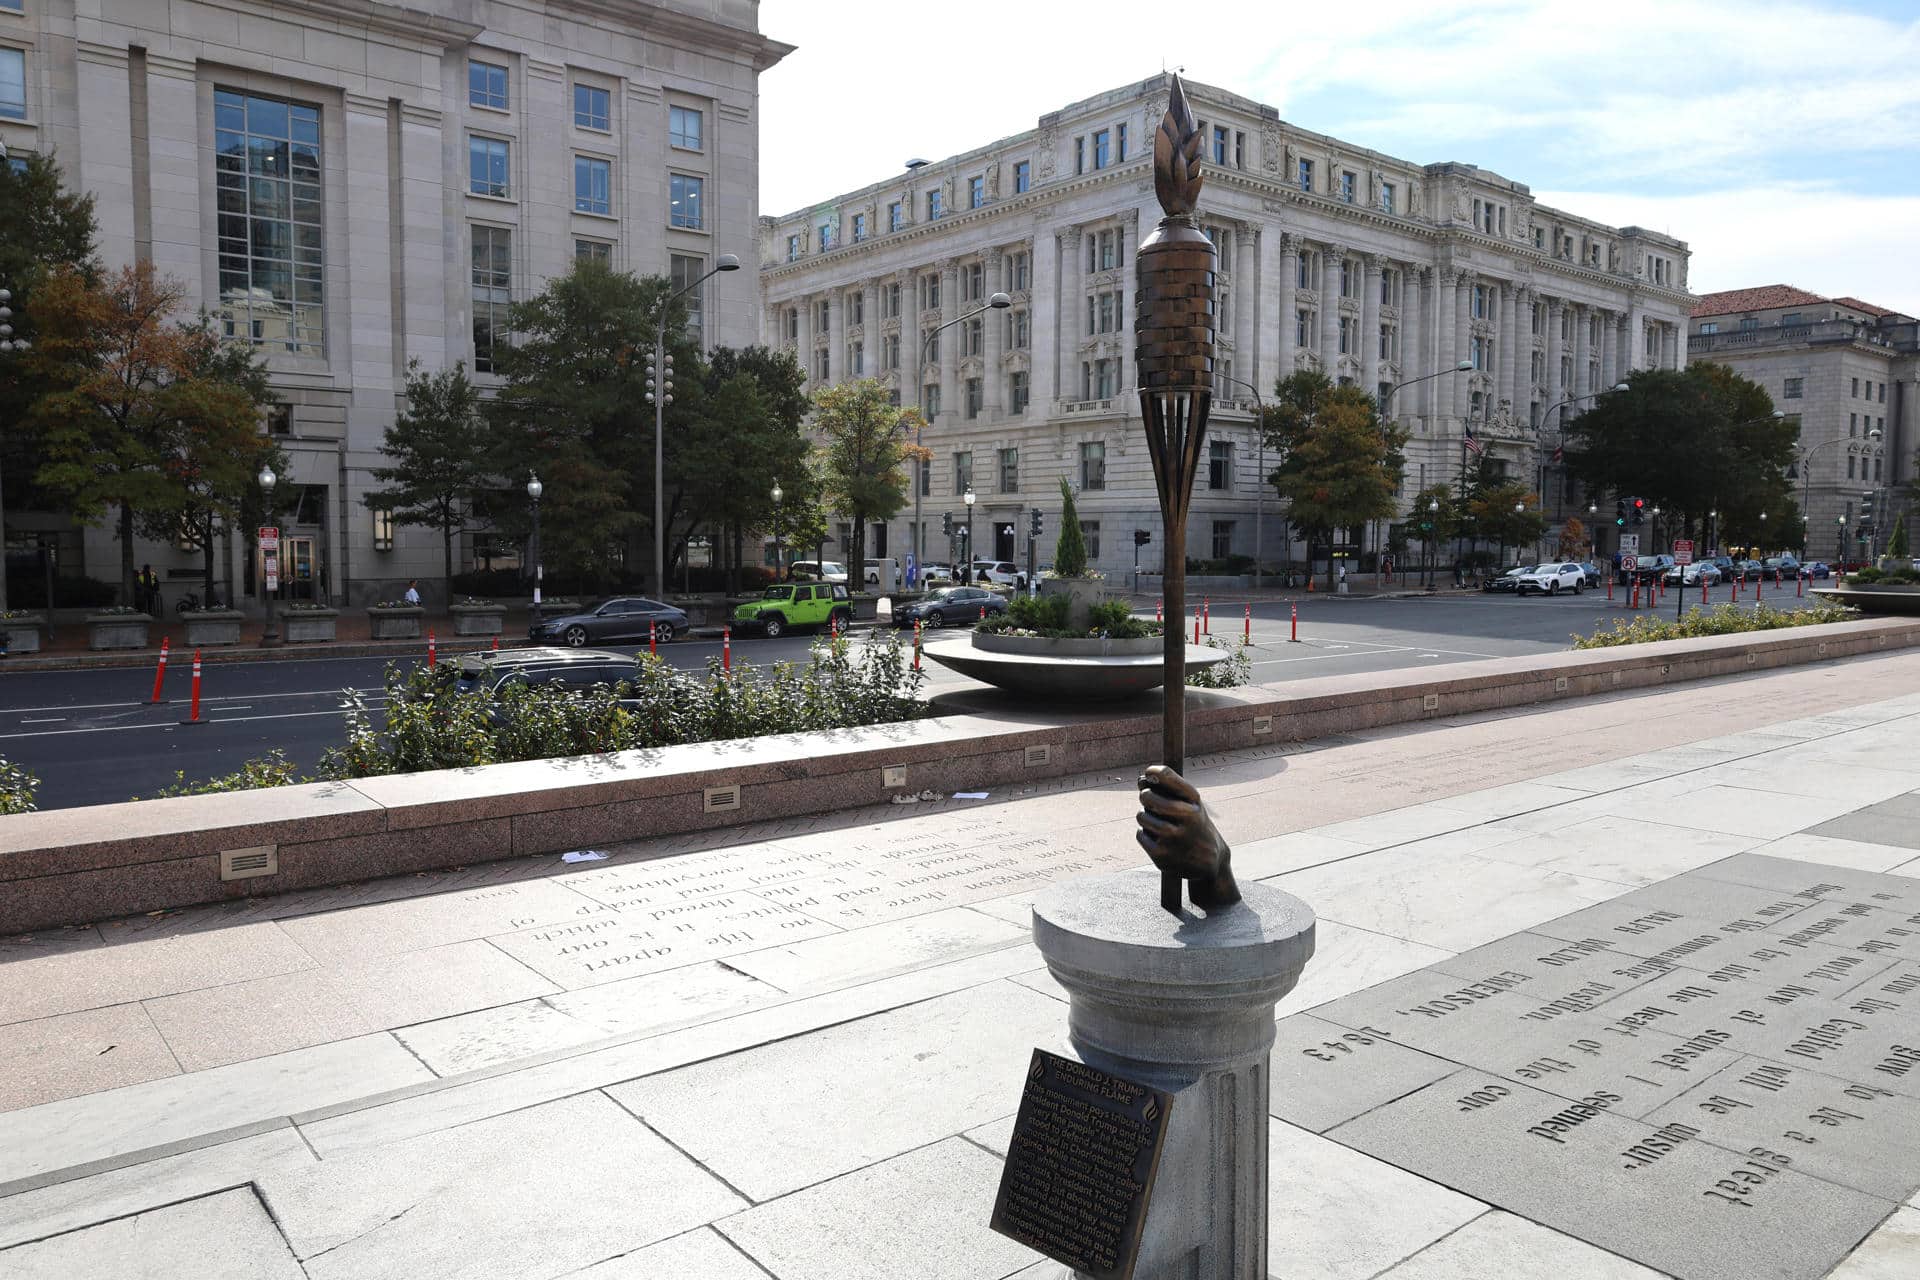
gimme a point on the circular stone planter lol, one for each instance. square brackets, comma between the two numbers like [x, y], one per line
[1083, 647]
[1062, 676]
[1874, 598]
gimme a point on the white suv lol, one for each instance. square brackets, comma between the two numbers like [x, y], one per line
[1002, 573]
[1549, 579]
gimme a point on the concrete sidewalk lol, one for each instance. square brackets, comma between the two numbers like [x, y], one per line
[794, 1050]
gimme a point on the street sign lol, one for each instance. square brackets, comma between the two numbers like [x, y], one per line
[269, 537]
[1629, 562]
[1683, 551]
[1629, 545]
[272, 561]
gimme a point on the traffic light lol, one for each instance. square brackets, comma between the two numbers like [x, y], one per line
[1619, 513]
[946, 524]
[1141, 537]
[1639, 511]
[1033, 522]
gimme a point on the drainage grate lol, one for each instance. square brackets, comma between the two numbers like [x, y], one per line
[721, 799]
[245, 864]
[1039, 754]
[1559, 684]
[1262, 724]
[1430, 702]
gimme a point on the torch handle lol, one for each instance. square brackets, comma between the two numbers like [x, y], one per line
[1170, 891]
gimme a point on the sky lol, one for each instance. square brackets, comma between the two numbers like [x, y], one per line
[1781, 140]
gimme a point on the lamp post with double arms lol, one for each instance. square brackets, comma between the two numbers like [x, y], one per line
[660, 395]
[1386, 409]
[8, 345]
[534, 490]
[1560, 441]
[998, 302]
[270, 565]
[778, 494]
[1802, 459]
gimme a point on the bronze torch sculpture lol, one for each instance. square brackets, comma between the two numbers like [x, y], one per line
[1173, 360]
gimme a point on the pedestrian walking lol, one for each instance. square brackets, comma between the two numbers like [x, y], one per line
[413, 591]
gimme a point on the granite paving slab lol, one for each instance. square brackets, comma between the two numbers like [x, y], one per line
[217, 1237]
[537, 1192]
[40, 986]
[838, 959]
[703, 1254]
[1500, 1245]
[917, 1214]
[921, 1072]
[76, 1053]
[414, 924]
[1888, 1254]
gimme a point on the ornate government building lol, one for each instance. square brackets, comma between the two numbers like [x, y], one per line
[1333, 257]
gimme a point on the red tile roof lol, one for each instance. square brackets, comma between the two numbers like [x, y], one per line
[1867, 307]
[1759, 299]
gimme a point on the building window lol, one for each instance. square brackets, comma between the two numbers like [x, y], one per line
[895, 218]
[1537, 368]
[1850, 467]
[1346, 335]
[1079, 155]
[1221, 137]
[590, 107]
[930, 400]
[1883, 393]
[382, 521]
[826, 236]
[973, 337]
[1009, 471]
[1855, 393]
[1120, 140]
[859, 227]
[1306, 175]
[1709, 328]
[822, 370]
[685, 128]
[684, 195]
[1791, 389]
[793, 248]
[856, 308]
[890, 353]
[1346, 278]
[1093, 465]
[1020, 323]
[1022, 176]
[1090, 534]
[593, 250]
[930, 291]
[857, 360]
[1222, 539]
[492, 294]
[1303, 329]
[13, 82]
[1853, 425]
[1017, 390]
[926, 478]
[1479, 352]
[1102, 148]
[267, 175]
[1480, 302]
[486, 85]
[826, 316]
[1386, 342]
[1386, 197]
[1347, 185]
[1792, 317]
[1019, 272]
[793, 324]
[1749, 322]
[976, 192]
[487, 166]
[936, 204]
[890, 301]
[962, 473]
[1876, 467]
[1220, 464]
[592, 185]
[973, 281]
[684, 269]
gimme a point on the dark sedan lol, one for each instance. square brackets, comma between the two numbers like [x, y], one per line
[950, 606]
[624, 618]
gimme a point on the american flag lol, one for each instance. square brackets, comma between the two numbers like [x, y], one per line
[1559, 454]
[1473, 444]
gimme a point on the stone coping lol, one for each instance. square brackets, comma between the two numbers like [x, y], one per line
[92, 863]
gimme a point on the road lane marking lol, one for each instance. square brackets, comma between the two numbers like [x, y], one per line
[107, 706]
[54, 720]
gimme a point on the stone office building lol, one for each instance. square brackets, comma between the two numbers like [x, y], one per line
[1847, 372]
[1333, 257]
[354, 184]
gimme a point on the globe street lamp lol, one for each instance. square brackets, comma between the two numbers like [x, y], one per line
[1806, 473]
[534, 490]
[1426, 536]
[660, 395]
[998, 302]
[8, 345]
[270, 561]
[777, 495]
[969, 499]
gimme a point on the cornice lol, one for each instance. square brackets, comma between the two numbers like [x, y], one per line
[655, 22]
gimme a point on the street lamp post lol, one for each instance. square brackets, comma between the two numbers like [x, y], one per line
[969, 499]
[777, 495]
[998, 302]
[1806, 473]
[1426, 536]
[1560, 441]
[1839, 544]
[8, 345]
[1386, 410]
[534, 490]
[270, 563]
[660, 395]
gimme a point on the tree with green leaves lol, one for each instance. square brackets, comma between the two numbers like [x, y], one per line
[1340, 465]
[1688, 440]
[1509, 515]
[438, 445]
[1070, 549]
[749, 436]
[137, 411]
[574, 409]
[868, 441]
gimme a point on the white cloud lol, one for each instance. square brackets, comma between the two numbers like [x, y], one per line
[1831, 242]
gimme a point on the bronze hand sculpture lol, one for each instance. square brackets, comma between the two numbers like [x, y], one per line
[1182, 840]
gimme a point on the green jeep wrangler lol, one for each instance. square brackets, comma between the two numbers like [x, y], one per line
[796, 604]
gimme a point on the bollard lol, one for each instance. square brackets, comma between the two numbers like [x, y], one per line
[1206, 612]
[496, 644]
[1249, 635]
[1799, 587]
[653, 638]
[1704, 602]
[430, 647]
[1633, 595]
[1158, 605]
[194, 716]
[1295, 637]
[916, 644]
[983, 613]
[726, 648]
[160, 675]
[1196, 626]
[1609, 588]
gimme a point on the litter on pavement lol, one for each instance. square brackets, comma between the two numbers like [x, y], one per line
[583, 855]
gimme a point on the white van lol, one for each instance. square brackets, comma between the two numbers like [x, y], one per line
[818, 571]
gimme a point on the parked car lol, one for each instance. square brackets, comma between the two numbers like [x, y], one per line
[950, 606]
[1815, 569]
[1785, 564]
[1510, 580]
[1650, 568]
[873, 572]
[795, 604]
[621, 619]
[936, 575]
[1552, 579]
[1724, 564]
[1693, 574]
[1748, 570]
[1594, 574]
[573, 670]
[817, 571]
[1004, 573]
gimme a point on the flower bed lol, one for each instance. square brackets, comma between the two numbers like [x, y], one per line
[1728, 619]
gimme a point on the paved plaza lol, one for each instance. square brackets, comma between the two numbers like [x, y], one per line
[1616, 988]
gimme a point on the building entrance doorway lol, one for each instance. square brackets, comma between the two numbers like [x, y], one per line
[1002, 541]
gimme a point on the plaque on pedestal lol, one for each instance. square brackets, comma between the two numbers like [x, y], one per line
[1080, 1168]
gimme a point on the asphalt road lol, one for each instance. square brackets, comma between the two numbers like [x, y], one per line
[91, 738]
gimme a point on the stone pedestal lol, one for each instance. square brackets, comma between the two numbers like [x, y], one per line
[1184, 1004]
